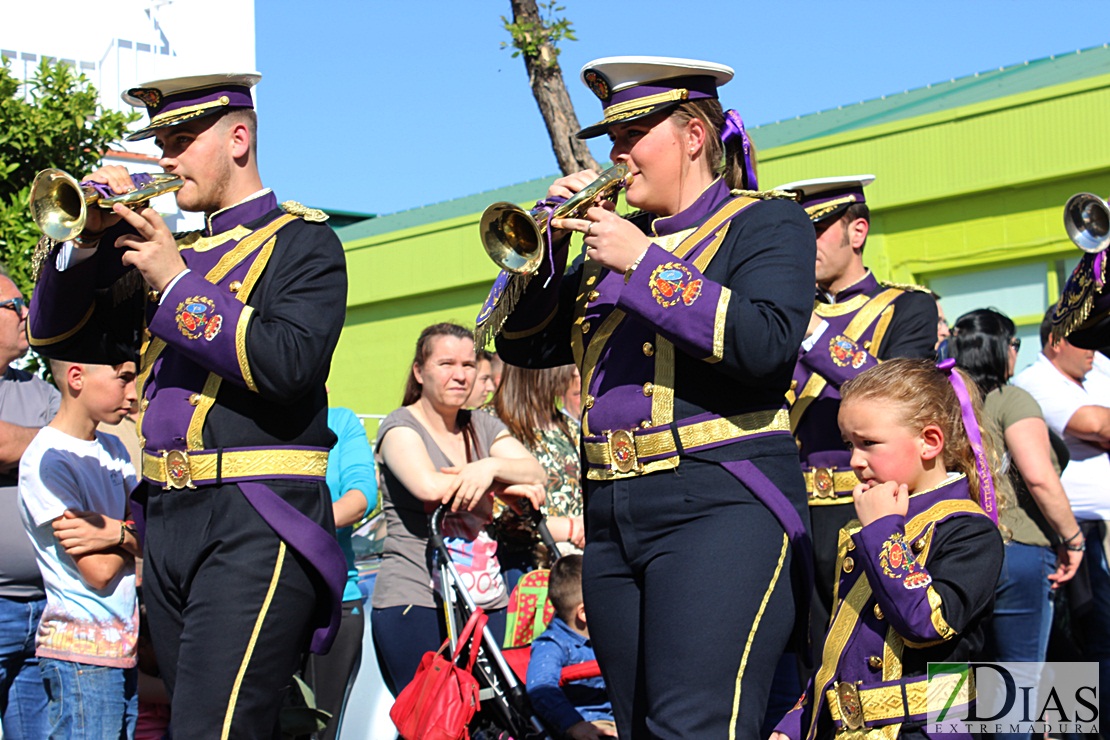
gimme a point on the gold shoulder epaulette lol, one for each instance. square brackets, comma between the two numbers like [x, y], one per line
[767, 194]
[314, 215]
[908, 287]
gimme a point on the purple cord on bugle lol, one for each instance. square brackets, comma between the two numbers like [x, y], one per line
[986, 483]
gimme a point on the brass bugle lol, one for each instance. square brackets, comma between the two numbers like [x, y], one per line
[514, 237]
[1087, 221]
[59, 204]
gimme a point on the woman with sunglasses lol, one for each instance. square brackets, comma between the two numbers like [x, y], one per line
[685, 322]
[1042, 552]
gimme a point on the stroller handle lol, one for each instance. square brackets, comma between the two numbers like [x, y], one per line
[535, 516]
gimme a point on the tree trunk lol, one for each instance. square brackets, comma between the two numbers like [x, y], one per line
[545, 77]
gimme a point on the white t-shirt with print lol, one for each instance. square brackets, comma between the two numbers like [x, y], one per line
[1086, 479]
[59, 472]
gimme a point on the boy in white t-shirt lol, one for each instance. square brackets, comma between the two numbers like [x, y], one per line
[74, 484]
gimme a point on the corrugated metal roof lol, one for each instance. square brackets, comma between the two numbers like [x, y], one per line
[956, 93]
[976, 88]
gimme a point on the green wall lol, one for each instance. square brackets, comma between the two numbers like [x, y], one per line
[973, 187]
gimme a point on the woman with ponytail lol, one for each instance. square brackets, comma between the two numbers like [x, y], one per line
[685, 321]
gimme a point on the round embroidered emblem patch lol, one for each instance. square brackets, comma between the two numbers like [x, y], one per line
[197, 317]
[597, 83]
[898, 562]
[150, 96]
[845, 352]
[672, 282]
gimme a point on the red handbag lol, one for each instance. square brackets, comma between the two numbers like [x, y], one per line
[442, 697]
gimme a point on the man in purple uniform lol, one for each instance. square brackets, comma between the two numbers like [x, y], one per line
[857, 322]
[241, 319]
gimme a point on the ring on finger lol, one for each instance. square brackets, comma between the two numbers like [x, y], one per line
[590, 228]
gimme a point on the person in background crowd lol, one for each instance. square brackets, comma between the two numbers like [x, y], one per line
[943, 330]
[579, 709]
[240, 559]
[433, 451]
[1072, 386]
[483, 382]
[572, 397]
[497, 368]
[686, 322]
[526, 402]
[27, 403]
[354, 494]
[1037, 560]
[88, 635]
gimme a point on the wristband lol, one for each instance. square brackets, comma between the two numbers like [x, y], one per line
[122, 534]
[1077, 548]
[570, 537]
[1077, 533]
[633, 266]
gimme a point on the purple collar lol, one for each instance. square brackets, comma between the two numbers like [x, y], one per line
[699, 210]
[252, 208]
[866, 285]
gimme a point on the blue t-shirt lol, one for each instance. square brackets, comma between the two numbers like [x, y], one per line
[350, 466]
[562, 707]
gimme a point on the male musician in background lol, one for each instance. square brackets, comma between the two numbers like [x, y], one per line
[857, 322]
[240, 559]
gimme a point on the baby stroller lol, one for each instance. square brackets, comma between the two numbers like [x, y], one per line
[505, 712]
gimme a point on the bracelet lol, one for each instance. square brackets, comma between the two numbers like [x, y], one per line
[570, 537]
[633, 266]
[1069, 539]
[122, 534]
[1077, 548]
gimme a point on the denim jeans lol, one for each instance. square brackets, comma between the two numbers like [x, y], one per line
[91, 702]
[1096, 622]
[22, 699]
[1019, 630]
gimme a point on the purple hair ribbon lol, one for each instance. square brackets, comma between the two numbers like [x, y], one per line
[986, 483]
[734, 126]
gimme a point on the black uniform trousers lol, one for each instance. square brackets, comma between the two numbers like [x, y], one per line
[688, 601]
[827, 521]
[229, 607]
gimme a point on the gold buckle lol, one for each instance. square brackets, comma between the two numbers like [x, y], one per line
[851, 710]
[824, 483]
[622, 451]
[178, 469]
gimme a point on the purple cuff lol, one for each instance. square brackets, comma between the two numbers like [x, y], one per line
[673, 296]
[899, 582]
[837, 358]
[207, 325]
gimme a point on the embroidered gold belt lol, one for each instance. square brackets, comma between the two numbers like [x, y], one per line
[177, 469]
[854, 707]
[829, 486]
[627, 453]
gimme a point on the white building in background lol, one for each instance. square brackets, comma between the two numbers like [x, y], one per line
[121, 44]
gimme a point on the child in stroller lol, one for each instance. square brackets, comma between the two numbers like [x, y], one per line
[505, 712]
[579, 709]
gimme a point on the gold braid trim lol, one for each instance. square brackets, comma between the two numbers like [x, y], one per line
[42, 250]
[312, 215]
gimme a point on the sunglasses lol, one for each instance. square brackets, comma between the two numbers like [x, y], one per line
[16, 304]
[1016, 343]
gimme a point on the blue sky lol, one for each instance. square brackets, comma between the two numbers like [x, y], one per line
[378, 107]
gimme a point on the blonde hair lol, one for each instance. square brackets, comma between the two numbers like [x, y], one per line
[726, 160]
[923, 395]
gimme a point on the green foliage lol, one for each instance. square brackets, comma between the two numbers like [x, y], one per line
[529, 38]
[60, 124]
